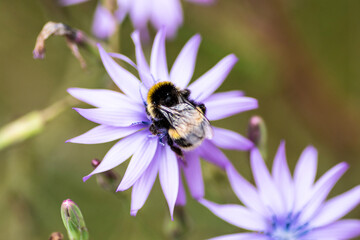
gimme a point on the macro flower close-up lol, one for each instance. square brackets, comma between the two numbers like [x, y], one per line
[163, 122]
[151, 119]
[286, 207]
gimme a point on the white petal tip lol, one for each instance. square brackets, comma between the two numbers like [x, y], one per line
[133, 212]
[233, 58]
[121, 188]
[71, 90]
[197, 37]
[86, 177]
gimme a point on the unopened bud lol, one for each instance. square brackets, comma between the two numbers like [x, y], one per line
[257, 133]
[56, 236]
[107, 180]
[180, 227]
[73, 221]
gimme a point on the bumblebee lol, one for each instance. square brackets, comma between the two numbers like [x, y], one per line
[176, 117]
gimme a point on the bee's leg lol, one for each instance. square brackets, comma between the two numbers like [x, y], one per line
[185, 93]
[175, 149]
[153, 129]
[202, 107]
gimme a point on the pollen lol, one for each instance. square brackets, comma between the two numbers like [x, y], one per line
[173, 134]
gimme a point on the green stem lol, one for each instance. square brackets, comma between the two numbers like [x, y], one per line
[32, 123]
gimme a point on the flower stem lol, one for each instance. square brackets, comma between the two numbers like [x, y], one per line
[32, 123]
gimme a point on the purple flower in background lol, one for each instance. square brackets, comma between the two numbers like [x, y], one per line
[289, 208]
[124, 116]
[104, 23]
[70, 2]
[160, 13]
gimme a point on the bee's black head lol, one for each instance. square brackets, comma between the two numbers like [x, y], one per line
[163, 93]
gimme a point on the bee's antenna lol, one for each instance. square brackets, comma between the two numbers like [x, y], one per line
[155, 81]
[142, 97]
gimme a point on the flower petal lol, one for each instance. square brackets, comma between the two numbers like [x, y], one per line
[104, 23]
[227, 107]
[169, 177]
[140, 12]
[245, 191]
[70, 2]
[183, 68]
[227, 139]
[304, 176]
[121, 151]
[113, 117]
[139, 163]
[343, 229]
[123, 9]
[204, 86]
[237, 215]
[126, 81]
[193, 174]
[123, 58]
[103, 134]
[282, 177]
[267, 189]
[143, 66]
[167, 14]
[337, 207]
[321, 190]
[104, 98]
[242, 236]
[143, 185]
[211, 153]
[225, 95]
[181, 198]
[158, 64]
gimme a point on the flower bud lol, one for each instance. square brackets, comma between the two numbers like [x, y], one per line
[180, 227]
[73, 221]
[107, 180]
[56, 236]
[257, 133]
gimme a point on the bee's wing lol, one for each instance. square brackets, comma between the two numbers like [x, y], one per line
[205, 123]
[207, 128]
[184, 118]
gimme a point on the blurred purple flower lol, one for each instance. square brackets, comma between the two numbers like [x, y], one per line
[104, 23]
[161, 13]
[70, 2]
[289, 208]
[124, 116]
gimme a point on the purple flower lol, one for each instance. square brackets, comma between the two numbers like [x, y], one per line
[161, 13]
[124, 116]
[70, 2]
[289, 208]
[104, 23]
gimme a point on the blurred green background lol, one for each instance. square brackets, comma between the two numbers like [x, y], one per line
[299, 58]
